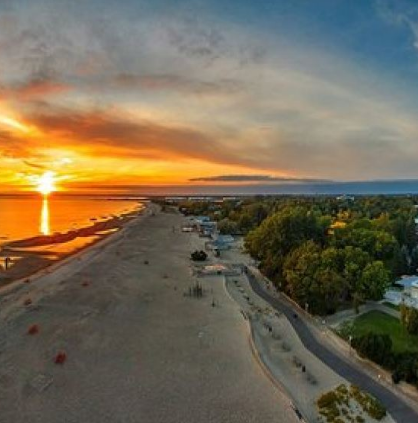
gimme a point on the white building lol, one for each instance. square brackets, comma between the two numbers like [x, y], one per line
[406, 283]
[406, 294]
[414, 290]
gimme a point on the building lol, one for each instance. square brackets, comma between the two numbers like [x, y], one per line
[414, 290]
[201, 219]
[226, 239]
[345, 198]
[405, 292]
[220, 243]
[406, 283]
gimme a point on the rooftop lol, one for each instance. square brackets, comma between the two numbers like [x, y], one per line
[408, 281]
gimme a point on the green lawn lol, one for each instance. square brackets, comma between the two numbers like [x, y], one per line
[378, 322]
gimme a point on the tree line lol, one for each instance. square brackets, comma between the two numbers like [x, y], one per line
[323, 260]
[322, 251]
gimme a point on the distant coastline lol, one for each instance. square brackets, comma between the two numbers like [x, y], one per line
[141, 192]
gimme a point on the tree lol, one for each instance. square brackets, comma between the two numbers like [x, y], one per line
[281, 233]
[299, 271]
[375, 280]
[355, 261]
[312, 278]
[227, 226]
[409, 319]
[326, 292]
[376, 347]
[414, 260]
[405, 366]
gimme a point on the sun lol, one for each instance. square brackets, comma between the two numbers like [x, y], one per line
[46, 183]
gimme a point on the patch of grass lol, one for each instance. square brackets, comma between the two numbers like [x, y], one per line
[382, 323]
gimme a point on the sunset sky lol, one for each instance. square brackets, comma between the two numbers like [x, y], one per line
[132, 92]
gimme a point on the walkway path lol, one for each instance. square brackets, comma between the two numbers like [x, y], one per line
[399, 410]
[340, 317]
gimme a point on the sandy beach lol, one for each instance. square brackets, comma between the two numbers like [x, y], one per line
[137, 348]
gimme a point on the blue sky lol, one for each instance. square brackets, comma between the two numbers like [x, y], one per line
[170, 90]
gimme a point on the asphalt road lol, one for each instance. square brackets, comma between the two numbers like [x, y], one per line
[399, 410]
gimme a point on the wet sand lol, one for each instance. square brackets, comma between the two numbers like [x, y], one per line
[31, 255]
[138, 349]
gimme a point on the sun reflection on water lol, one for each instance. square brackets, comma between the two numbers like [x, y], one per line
[44, 222]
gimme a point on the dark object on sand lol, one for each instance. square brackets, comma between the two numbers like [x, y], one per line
[146, 262]
[7, 262]
[60, 358]
[85, 283]
[27, 302]
[27, 280]
[295, 315]
[199, 255]
[33, 329]
[196, 291]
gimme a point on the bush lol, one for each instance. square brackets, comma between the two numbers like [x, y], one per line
[376, 347]
[335, 403]
[199, 255]
[405, 367]
[396, 377]
[369, 404]
[327, 400]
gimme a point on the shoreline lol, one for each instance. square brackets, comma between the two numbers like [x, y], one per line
[46, 281]
[36, 254]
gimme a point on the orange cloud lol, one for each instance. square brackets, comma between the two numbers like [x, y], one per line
[110, 149]
[37, 88]
[112, 135]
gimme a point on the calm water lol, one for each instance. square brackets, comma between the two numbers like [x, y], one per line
[27, 217]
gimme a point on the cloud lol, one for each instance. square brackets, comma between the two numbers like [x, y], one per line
[33, 165]
[14, 146]
[176, 83]
[178, 88]
[400, 13]
[38, 88]
[107, 133]
[253, 178]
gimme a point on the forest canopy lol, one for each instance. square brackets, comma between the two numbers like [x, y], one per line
[323, 251]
